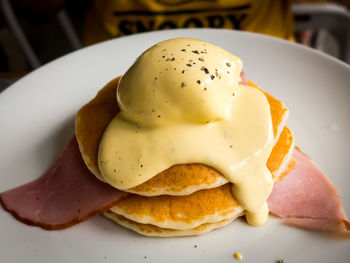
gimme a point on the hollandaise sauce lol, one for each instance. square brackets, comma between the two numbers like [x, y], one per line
[181, 103]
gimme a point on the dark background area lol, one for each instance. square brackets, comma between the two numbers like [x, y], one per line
[42, 24]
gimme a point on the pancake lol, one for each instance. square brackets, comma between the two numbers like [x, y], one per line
[185, 199]
[91, 122]
[181, 212]
[154, 231]
[188, 178]
[281, 153]
[279, 112]
[182, 179]
[286, 170]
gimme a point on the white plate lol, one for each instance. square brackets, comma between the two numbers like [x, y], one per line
[37, 116]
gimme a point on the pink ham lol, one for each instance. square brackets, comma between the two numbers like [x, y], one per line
[306, 198]
[317, 224]
[67, 194]
[244, 80]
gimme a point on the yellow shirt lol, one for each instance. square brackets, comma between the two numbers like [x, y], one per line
[114, 18]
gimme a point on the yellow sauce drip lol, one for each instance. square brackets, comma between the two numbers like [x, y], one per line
[181, 103]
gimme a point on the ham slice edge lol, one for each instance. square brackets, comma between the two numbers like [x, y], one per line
[68, 194]
[65, 195]
[306, 198]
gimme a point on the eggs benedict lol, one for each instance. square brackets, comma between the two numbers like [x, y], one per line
[182, 144]
[181, 105]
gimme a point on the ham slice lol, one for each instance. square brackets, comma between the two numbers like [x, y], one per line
[244, 80]
[67, 194]
[319, 224]
[306, 198]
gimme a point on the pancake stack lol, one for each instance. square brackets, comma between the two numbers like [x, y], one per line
[185, 199]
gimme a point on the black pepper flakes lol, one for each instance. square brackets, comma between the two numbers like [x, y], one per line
[141, 165]
[183, 50]
[155, 78]
[183, 72]
[195, 246]
[158, 116]
[195, 51]
[201, 59]
[163, 56]
[188, 65]
[212, 77]
[183, 85]
[206, 71]
[172, 59]
[205, 89]
[228, 64]
[198, 81]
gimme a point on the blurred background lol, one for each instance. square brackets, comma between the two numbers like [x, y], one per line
[34, 32]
